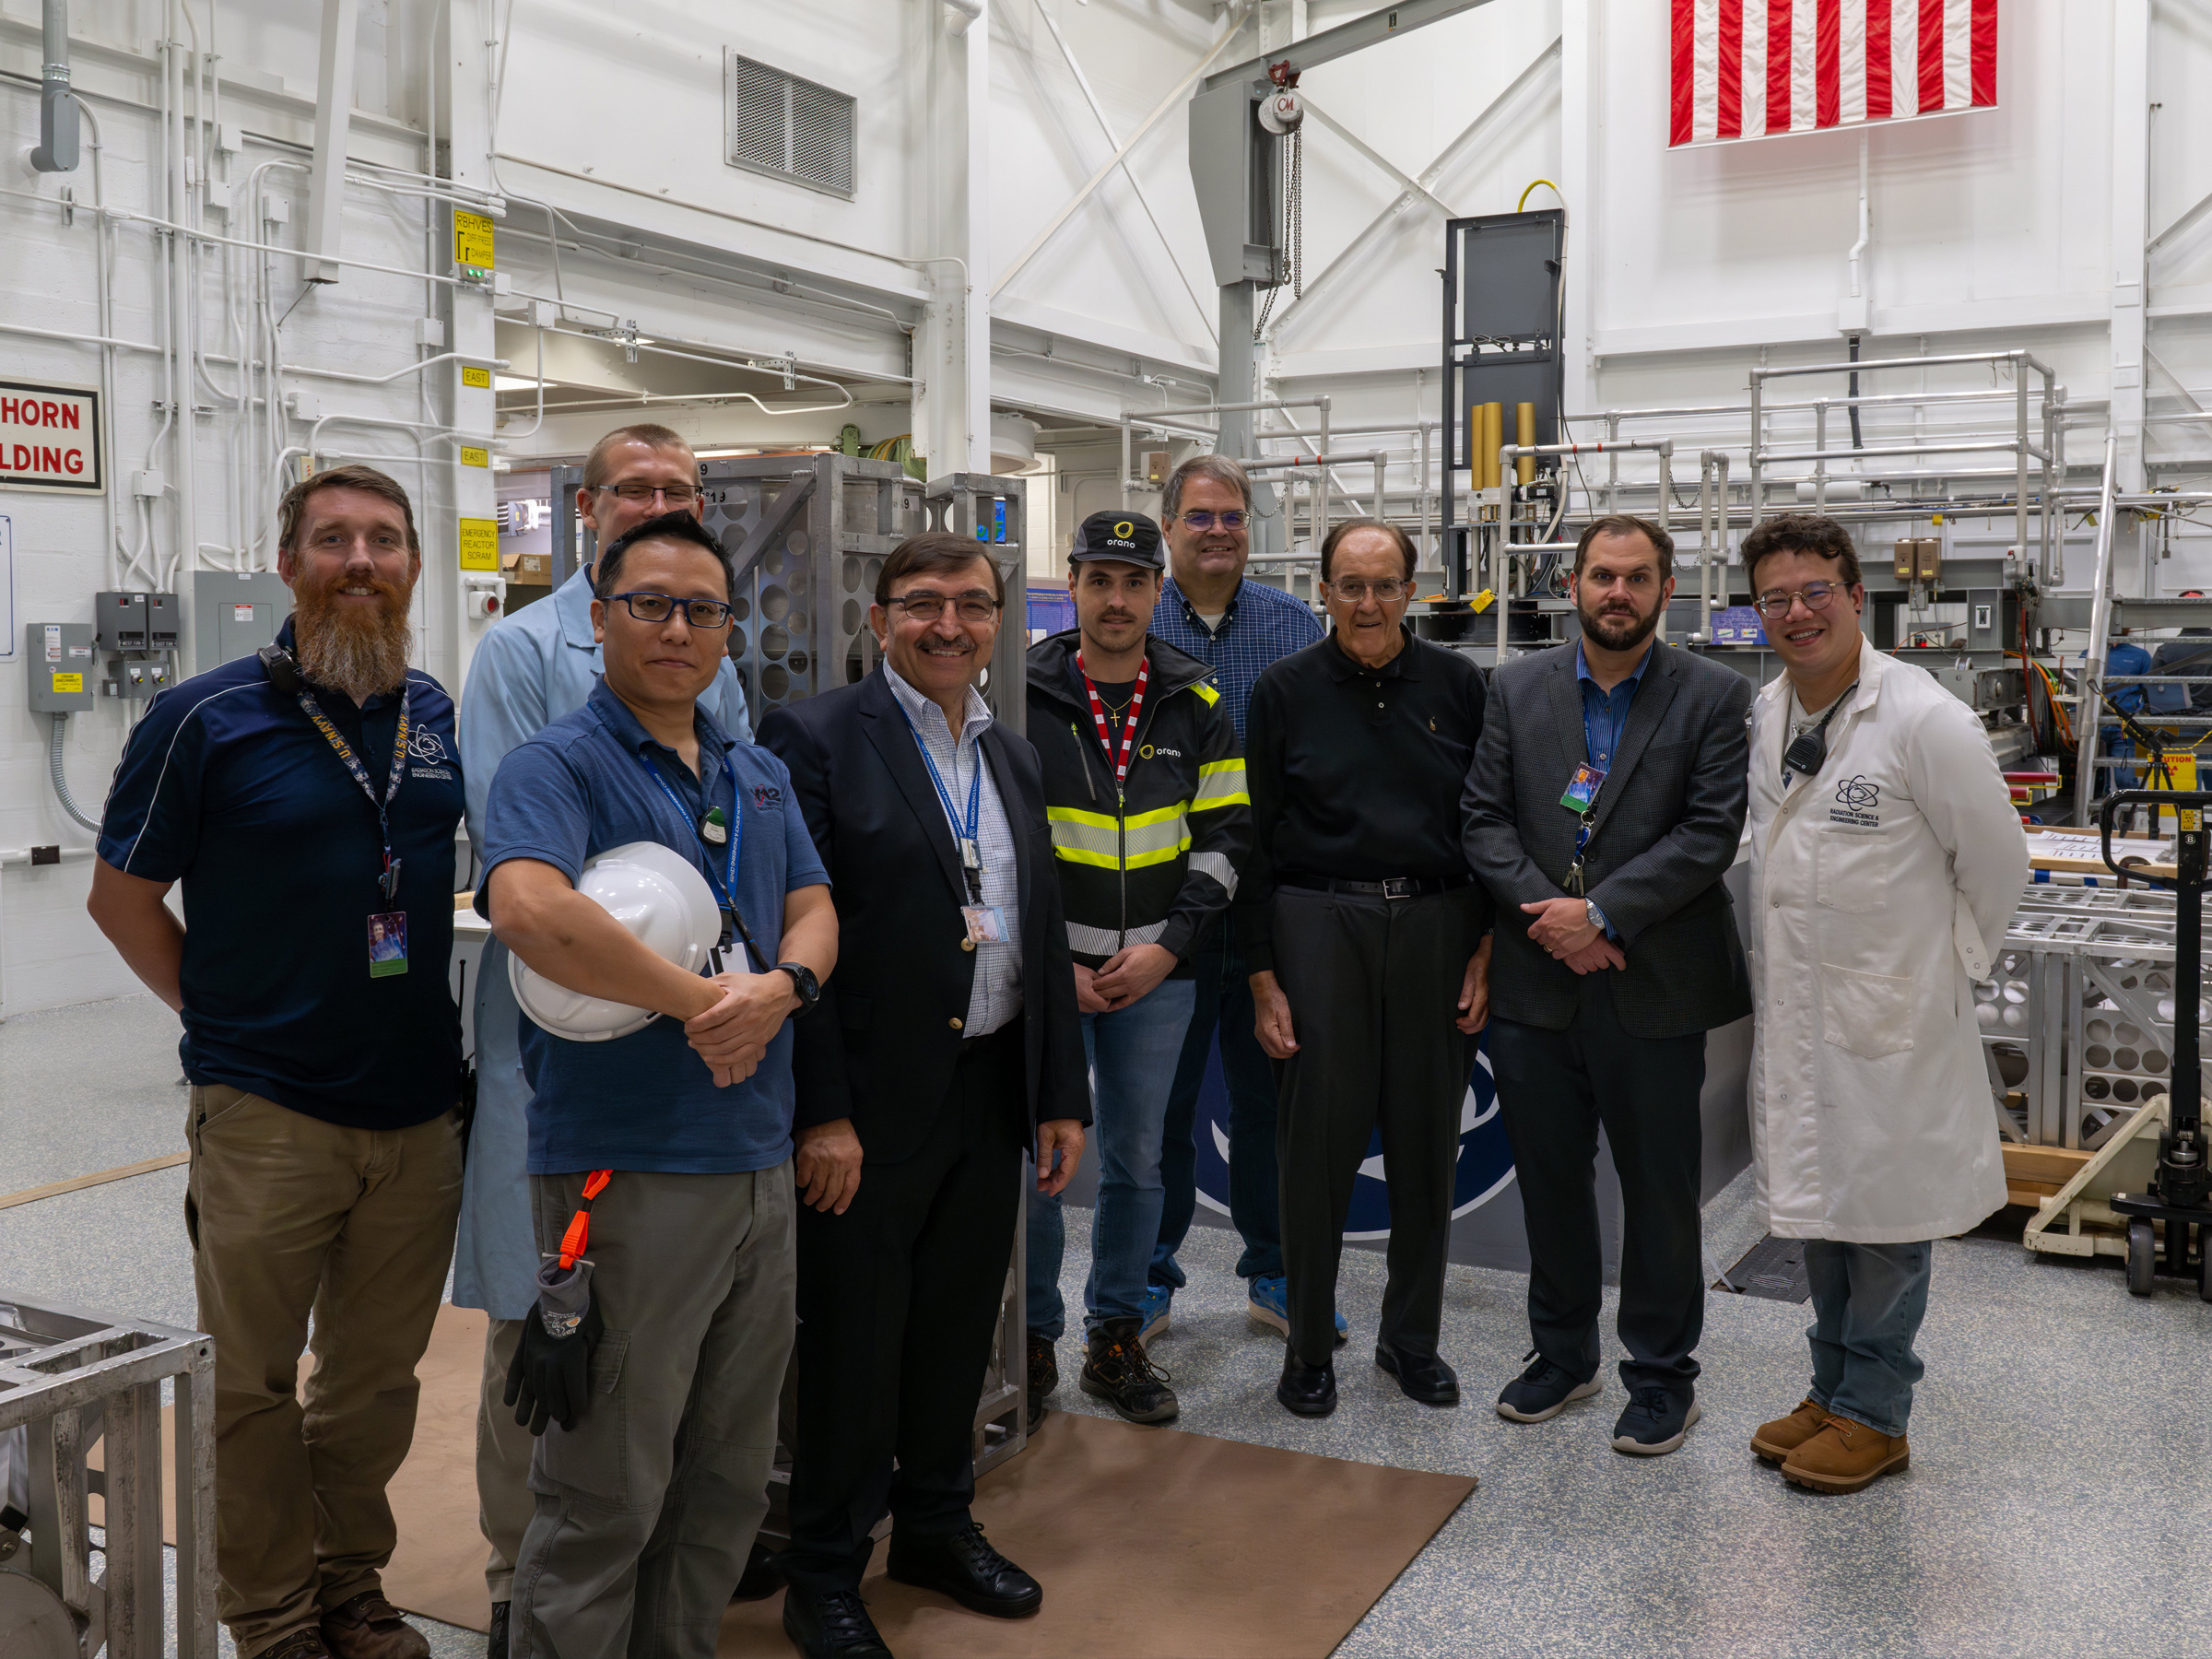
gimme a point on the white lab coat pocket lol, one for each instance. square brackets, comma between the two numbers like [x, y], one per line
[1850, 870]
[1869, 1014]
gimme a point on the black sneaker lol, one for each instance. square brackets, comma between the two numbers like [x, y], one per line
[831, 1624]
[1657, 1420]
[495, 1639]
[1117, 1372]
[1542, 1392]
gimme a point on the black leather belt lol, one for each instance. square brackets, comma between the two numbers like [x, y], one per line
[1390, 887]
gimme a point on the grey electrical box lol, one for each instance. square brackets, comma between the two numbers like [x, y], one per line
[235, 614]
[119, 621]
[60, 654]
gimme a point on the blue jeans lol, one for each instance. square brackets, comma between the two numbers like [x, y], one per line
[1132, 1053]
[1868, 1300]
[1224, 1002]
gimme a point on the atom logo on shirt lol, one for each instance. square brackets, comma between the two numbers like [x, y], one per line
[425, 745]
[1858, 803]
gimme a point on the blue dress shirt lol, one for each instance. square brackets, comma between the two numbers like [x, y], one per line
[1604, 717]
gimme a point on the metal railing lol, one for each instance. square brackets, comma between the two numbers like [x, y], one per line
[2100, 628]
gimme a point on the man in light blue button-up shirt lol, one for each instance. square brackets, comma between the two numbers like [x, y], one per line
[529, 670]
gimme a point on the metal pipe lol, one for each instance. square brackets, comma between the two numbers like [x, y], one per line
[2101, 628]
[56, 151]
[60, 778]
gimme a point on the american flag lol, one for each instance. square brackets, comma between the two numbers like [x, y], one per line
[1752, 68]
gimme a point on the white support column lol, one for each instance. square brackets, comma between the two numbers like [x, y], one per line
[952, 347]
[1580, 113]
[2131, 230]
[458, 483]
[334, 126]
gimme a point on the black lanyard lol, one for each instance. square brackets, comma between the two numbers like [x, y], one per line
[387, 883]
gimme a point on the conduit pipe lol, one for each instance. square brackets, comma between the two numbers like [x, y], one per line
[60, 778]
[56, 151]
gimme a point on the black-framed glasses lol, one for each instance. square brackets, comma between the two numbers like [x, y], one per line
[710, 615]
[676, 495]
[1388, 590]
[1817, 597]
[928, 607]
[1202, 520]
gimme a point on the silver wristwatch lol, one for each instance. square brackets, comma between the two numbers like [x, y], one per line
[1597, 916]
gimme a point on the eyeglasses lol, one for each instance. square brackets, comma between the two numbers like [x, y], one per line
[708, 615]
[1388, 591]
[676, 495]
[928, 607]
[1204, 521]
[1817, 597]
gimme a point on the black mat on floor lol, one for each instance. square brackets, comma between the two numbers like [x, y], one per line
[1774, 1268]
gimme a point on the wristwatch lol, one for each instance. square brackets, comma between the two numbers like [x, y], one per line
[1597, 916]
[805, 983]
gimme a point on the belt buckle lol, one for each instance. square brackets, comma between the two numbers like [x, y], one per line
[1398, 886]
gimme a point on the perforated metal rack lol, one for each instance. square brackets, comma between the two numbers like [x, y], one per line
[72, 1378]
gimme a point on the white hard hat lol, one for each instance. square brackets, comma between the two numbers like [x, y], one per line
[660, 896]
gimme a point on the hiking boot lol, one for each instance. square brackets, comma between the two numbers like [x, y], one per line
[1777, 1439]
[306, 1643]
[1117, 1372]
[1542, 1392]
[1842, 1456]
[368, 1626]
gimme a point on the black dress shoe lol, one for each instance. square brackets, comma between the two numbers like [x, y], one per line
[963, 1565]
[1424, 1377]
[495, 1640]
[831, 1624]
[762, 1577]
[1307, 1389]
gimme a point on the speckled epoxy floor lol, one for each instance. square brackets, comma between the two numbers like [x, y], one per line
[2059, 1500]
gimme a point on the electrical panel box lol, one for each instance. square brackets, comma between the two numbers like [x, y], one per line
[235, 614]
[60, 654]
[119, 621]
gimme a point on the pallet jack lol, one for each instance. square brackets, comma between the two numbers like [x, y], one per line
[2178, 1193]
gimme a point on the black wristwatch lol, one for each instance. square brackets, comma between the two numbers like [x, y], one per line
[805, 983]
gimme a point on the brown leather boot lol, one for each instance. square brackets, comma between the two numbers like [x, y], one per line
[368, 1627]
[1777, 1439]
[1845, 1456]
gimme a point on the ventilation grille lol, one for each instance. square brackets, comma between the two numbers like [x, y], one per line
[788, 127]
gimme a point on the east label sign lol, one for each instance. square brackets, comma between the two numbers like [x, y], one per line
[49, 437]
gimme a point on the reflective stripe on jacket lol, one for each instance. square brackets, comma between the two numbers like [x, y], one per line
[1157, 863]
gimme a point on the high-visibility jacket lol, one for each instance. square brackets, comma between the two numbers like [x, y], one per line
[1155, 860]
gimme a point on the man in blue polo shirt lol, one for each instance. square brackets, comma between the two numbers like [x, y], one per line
[691, 1234]
[307, 799]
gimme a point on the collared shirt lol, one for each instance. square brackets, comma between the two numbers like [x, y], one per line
[647, 1100]
[227, 786]
[535, 665]
[1605, 713]
[1355, 773]
[1263, 625]
[995, 997]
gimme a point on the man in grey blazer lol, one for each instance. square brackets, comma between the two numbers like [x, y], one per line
[1604, 806]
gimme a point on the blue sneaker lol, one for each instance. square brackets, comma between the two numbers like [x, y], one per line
[1153, 1320]
[1271, 1306]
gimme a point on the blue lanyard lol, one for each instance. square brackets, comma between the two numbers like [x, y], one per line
[388, 882]
[972, 857]
[726, 888]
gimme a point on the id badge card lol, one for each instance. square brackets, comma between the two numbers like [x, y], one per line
[987, 924]
[387, 944]
[1582, 789]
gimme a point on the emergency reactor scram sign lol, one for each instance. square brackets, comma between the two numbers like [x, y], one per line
[49, 437]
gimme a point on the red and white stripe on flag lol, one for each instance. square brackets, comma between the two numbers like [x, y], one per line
[1753, 68]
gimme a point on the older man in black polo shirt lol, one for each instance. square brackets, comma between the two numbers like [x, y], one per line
[307, 799]
[1364, 936]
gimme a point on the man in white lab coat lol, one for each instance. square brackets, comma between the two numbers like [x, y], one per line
[1886, 864]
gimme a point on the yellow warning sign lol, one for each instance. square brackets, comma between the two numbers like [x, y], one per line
[480, 543]
[480, 378]
[69, 682]
[474, 457]
[471, 240]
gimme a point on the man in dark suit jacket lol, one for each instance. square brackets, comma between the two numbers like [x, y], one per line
[1604, 807]
[946, 1044]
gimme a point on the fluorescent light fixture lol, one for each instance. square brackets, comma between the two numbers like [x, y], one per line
[722, 454]
[514, 383]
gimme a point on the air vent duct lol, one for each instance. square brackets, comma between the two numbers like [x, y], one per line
[787, 127]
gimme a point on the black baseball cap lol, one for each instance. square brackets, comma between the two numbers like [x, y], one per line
[1130, 537]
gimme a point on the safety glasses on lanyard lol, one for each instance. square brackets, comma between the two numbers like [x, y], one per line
[725, 885]
[387, 883]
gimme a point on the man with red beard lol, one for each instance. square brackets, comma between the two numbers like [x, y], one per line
[307, 799]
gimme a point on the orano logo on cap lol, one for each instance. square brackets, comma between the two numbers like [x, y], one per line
[1123, 530]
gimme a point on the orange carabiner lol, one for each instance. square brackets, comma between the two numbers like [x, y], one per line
[573, 1241]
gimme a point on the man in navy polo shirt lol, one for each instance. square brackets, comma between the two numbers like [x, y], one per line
[307, 799]
[649, 1492]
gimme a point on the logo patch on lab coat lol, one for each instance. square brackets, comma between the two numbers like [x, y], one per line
[1858, 804]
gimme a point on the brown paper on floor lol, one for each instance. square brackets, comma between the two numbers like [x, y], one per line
[1149, 1542]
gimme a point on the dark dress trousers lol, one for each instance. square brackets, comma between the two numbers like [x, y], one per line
[899, 1296]
[1624, 1049]
[1354, 773]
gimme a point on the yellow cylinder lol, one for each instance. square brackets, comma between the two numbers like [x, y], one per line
[1524, 434]
[1490, 429]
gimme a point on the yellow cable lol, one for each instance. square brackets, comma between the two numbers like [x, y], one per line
[1548, 184]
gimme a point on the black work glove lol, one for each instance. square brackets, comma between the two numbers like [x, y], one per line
[550, 1379]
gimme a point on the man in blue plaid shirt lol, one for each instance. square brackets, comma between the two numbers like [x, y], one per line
[1209, 610]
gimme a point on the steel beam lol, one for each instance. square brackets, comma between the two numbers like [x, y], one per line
[333, 122]
[1384, 23]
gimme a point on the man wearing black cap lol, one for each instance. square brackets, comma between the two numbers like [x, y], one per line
[1145, 792]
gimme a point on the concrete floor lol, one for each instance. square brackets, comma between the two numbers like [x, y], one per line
[2058, 1499]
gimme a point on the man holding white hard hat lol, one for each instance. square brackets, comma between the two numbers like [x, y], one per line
[661, 1113]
